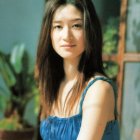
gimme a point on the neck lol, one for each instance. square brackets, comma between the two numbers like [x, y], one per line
[71, 69]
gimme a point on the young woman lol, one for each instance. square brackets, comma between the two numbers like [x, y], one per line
[78, 100]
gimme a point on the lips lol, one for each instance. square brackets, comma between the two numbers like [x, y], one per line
[68, 46]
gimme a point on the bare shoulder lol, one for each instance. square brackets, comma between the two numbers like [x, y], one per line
[100, 86]
[98, 109]
[100, 94]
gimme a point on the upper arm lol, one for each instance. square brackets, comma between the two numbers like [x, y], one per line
[98, 107]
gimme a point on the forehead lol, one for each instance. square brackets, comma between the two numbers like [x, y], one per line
[68, 11]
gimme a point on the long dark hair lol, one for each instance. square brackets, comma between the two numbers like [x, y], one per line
[49, 66]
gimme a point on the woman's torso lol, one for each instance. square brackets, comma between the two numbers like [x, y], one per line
[56, 128]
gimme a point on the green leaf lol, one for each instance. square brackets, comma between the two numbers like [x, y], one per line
[111, 69]
[32, 110]
[110, 36]
[6, 72]
[10, 124]
[5, 95]
[4, 90]
[17, 56]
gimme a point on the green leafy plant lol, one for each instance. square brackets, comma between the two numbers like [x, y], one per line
[111, 69]
[110, 43]
[19, 96]
[110, 36]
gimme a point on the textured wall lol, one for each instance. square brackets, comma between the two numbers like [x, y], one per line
[133, 26]
[20, 22]
[131, 92]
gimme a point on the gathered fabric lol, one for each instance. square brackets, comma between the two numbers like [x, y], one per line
[56, 128]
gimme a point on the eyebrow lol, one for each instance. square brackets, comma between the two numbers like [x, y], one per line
[59, 21]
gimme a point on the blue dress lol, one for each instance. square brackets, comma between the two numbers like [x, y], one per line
[56, 128]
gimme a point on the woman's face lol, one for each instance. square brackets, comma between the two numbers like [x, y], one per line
[67, 32]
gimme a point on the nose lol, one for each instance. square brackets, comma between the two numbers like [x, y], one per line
[67, 34]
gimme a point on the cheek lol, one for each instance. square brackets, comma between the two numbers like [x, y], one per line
[54, 39]
[81, 40]
[80, 36]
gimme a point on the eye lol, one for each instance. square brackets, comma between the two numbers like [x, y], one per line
[77, 26]
[58, 27]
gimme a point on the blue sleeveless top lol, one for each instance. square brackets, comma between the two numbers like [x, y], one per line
[56, 128]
